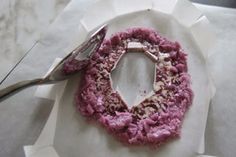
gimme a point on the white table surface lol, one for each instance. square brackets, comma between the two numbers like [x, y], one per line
[21, 25]
[23, 116]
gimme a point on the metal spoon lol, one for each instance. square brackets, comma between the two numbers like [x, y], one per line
[57, 74]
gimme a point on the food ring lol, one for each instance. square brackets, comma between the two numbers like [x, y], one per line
[156, 119]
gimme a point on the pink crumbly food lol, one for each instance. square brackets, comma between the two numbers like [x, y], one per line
[155, 120]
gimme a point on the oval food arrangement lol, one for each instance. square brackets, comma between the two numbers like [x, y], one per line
[158, 118]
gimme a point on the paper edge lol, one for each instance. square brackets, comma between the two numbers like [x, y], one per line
[46, 137]
[48, 91]
[166, 7]
[203, 24]
[47, 151]
[146, 5]
[186, 17]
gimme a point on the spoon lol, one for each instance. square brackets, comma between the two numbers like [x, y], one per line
[82, 52]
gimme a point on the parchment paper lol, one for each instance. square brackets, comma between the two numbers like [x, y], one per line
[74, 136]
[88, 139]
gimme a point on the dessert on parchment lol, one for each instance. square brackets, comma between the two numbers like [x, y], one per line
[156, 119]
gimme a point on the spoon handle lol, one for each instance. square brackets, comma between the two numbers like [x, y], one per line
[15, 88]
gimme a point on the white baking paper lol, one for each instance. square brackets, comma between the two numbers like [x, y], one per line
[74, 136]
[136, 72]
